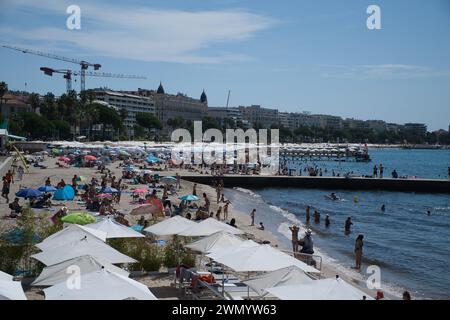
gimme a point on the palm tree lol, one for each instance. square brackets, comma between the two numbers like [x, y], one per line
[3, 90]
[34, 101]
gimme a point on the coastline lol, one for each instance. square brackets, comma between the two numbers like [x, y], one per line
[37, 176]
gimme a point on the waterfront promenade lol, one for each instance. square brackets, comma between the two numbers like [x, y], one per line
[331, 183]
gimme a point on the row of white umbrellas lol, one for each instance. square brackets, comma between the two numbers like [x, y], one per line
[80, 265]
[285, 277]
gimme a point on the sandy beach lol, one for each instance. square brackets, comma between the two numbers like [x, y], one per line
[161, 284]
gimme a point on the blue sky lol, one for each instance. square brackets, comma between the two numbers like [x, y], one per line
[294, 55]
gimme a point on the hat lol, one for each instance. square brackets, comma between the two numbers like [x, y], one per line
[308, 231]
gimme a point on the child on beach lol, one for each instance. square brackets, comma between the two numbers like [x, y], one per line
[294, 229]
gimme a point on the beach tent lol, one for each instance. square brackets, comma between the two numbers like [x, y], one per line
[214, 242]
[85, 246]
[79, 218]
[114, 229]
[282, 277]
[324, 289]
[11, 290]
[66, 193]
[70, 234]
[261, 258]
[58, 273]
[208, 227]
[171, 226]
[100, 285]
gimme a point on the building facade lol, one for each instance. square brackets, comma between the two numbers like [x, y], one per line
[259, 117]
[14, 103]
[416, 128]
[132, 103]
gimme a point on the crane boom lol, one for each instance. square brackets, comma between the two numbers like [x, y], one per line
[83, 64]
[68, 75]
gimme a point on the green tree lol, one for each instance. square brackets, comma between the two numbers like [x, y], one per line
[108, 117]
[34, 101]
[3, 91]
[148, 121]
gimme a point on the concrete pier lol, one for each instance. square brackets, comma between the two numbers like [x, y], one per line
[329, 183]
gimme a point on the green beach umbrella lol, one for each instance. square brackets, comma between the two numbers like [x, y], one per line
[81, 218]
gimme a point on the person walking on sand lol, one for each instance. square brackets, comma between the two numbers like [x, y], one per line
[194, 189]
[294, 229]
[358, 251]
[5, 189]
[9, 175]
[307, 213]
[252, 216]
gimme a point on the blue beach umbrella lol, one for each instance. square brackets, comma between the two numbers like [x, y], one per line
[168, 180]
[28, 193]
[189, 197]
[47, 189]
[152, 159]
[109, 190]
[129, 169]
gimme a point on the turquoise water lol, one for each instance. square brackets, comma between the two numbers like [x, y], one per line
[419, 163]
[411, 247]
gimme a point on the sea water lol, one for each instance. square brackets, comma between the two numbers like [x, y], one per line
[411, 247]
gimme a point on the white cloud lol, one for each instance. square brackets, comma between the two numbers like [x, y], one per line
[383, 71]
[142, 33]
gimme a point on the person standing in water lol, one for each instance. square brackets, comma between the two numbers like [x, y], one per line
[252, 216]
[381, 169]
[327, 221]
[294, 229]
[307, 213]
[316, 216]
[375, 171]
[358, 251]
[348, 225]
[383, 208]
